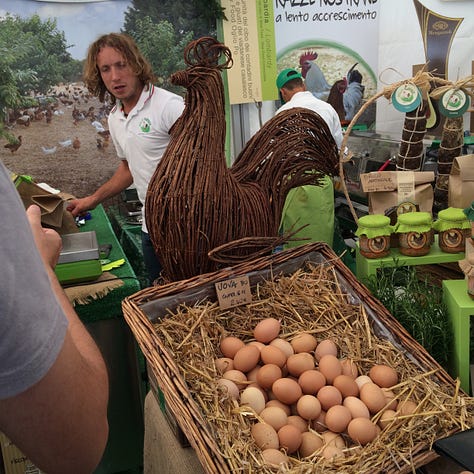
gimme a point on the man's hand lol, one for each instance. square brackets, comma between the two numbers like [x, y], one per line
[48, 241]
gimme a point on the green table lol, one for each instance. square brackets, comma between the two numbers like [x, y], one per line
[367, 267]
[104, 319]
[130, 239]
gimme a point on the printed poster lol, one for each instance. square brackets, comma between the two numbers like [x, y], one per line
[325, 39]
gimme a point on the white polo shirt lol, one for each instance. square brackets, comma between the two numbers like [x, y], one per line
[142, 137]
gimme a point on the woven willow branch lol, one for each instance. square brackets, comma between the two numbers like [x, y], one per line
[195, 203]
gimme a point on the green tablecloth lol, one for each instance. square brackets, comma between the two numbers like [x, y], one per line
[110, 306]
[130, 239]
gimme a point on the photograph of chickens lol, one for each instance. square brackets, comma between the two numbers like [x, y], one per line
[336, 75]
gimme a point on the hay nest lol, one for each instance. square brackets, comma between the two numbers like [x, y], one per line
[314, 300]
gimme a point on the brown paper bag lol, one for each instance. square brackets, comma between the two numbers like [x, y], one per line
[388, 190]
[52, 206]
[461, 182]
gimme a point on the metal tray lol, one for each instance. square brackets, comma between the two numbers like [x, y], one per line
[79, 246]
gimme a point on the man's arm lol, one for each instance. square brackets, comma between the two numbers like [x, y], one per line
[121, 179]
[60, 422]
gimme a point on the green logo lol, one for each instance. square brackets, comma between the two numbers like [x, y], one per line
[145, 125]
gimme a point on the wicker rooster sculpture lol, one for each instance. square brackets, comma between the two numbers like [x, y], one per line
[195, 203]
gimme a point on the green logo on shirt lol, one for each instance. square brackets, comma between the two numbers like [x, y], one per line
[145, 125]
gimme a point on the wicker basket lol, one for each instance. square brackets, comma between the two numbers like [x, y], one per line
[145, 309]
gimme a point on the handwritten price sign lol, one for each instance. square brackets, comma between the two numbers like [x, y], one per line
[233, 292]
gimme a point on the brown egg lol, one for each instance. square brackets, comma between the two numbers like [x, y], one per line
[290, 438]
[273, 355]
[406, 407]
[332, 452]
[223, 364]
[349, 367]
[373, 396]
[346, 385]
[362, 430]
[362, 379]
[326, 346]
[252, 374]
[238, 377]
[267, 330]
[308, 407]
[299, 422]
[337, 418]
[277, 403]
[311, 381]
[254, 398]
[265, 436]
[383, 375]
[246, 358]
[333, 439]
[286, 390]
[229, 388]
[391, 400]
[256, 344]
[304, 342]
[230, 345]
[274, 457]
[274, 416]
[357, 407]
[329, 396]
[319, 424]
[310, 443]
[267, 374]
[387, 418]
[299, 363]
[330, 367]
[284, 345]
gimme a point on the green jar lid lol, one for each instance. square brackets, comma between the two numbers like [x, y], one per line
[451, 218]
[414, 222]
[373, 225]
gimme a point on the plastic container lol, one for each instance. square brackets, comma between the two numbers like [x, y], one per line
[415, 233]
[374, 231]
[453, 228]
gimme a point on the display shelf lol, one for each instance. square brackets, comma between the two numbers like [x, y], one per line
[460, 309]
[366, 268]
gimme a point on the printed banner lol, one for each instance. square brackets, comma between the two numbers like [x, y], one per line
[321, 37]
[249, 33]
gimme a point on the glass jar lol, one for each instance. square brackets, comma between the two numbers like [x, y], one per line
[453, 228]
[374, 232]
[415, 233]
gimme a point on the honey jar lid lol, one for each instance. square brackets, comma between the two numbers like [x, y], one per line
[451, 218]
[414, 222]
[373, 225]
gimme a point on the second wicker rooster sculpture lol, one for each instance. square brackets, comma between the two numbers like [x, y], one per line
[195, 203]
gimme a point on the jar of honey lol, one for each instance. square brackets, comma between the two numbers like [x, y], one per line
[374, 232]
[415, 233]
[453, 228]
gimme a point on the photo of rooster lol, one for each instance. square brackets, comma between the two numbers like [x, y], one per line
[336, 76]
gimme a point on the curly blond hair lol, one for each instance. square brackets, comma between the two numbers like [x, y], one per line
[124, 44]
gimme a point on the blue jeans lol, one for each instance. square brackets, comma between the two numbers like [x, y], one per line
[152, 263]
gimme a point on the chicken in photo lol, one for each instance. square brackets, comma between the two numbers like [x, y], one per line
[354, 93]
[313, 75]
[14, 145]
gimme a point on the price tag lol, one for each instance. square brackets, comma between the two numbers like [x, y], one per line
[233, 292]
[406, 97]
[454, 103]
